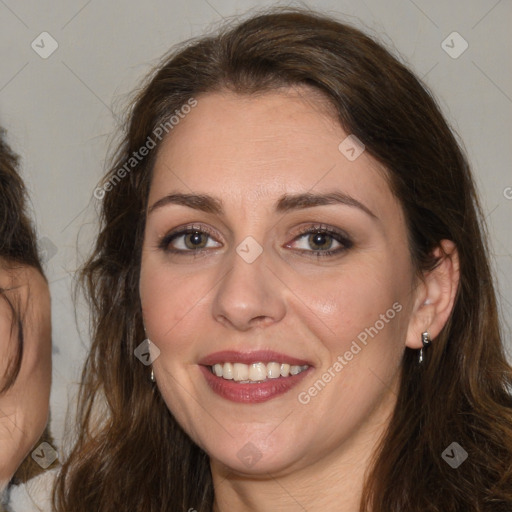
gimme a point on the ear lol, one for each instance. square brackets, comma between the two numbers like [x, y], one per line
[435, 295]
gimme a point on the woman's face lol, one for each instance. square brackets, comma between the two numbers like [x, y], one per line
[232, 274]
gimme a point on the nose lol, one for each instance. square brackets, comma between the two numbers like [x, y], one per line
[249, 295]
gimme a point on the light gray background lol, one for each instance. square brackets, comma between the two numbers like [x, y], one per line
[60, 113]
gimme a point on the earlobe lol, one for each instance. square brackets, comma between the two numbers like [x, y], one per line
[436, 296]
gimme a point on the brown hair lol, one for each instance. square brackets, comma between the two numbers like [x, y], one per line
[131, 454]
[17, 243]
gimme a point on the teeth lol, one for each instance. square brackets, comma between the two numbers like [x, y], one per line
[294, 370]
[273, 370]
[255, 372]
[227, 371]
[240, 371]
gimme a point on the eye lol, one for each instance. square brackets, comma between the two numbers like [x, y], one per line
[321, 241]
[316, 240]
[190, 239]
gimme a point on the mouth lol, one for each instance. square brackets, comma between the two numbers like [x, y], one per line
[252, 377]
[256, 372]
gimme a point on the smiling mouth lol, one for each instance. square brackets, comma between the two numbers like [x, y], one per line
[254, 376]
[257, 372]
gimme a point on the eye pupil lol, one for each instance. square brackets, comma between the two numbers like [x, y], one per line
[193, 240]
[319, 240]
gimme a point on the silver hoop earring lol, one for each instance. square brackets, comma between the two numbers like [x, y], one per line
[426, 341]
[152, 376]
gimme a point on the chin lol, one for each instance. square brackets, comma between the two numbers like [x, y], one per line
[251, 461]
[252, 455]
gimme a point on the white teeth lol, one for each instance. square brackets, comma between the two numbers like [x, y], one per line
[273, 370]
[255, 372]
[294, 370]
[227, 371]
[240, 372]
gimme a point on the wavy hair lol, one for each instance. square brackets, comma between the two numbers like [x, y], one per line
[131, 454]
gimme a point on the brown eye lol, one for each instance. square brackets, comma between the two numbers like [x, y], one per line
[319, 241]
[195, 240]
[188, 241]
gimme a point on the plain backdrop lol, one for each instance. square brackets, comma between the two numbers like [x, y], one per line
[60, 113]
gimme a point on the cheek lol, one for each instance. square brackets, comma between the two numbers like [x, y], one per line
[353, 299]
[359, 316]
[169, 301]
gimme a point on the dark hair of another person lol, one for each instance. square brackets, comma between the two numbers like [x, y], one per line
[18, 244]
[132, 455]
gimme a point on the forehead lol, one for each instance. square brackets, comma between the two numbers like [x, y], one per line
[249, 149]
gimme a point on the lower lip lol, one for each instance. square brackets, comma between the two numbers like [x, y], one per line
[251, 393]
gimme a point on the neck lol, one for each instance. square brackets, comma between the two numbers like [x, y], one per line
[332, 483]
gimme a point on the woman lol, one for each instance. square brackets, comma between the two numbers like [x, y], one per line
[292, 228]
[25, 337]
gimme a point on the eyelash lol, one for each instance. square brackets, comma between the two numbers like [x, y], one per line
[339, 236]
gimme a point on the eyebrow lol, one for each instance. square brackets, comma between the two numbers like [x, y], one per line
[286, 203]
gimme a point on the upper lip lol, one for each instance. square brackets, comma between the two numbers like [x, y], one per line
[255, 356]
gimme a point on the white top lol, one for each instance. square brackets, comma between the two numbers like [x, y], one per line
[34, 496]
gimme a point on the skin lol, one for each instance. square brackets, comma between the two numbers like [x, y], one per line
[24, 406]
[248, 152]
